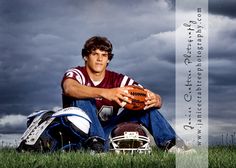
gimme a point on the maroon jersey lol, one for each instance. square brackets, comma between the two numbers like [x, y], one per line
[105, 107]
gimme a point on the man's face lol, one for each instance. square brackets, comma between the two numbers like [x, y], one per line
[97, 61]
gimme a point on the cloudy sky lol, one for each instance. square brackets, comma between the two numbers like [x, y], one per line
[41, 39]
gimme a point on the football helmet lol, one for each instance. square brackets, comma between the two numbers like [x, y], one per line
[130, 137]
[65, 129]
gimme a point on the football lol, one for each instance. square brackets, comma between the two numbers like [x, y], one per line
[138, 102]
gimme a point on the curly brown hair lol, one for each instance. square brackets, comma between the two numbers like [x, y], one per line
[97, 42]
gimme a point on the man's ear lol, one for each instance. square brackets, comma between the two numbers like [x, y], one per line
[85, 58]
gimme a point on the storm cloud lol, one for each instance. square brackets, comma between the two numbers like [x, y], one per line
[224, 8]
[40, 40]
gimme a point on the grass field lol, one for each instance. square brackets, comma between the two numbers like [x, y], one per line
[218, 157]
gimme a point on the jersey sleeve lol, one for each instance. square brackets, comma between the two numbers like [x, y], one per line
[74, 74]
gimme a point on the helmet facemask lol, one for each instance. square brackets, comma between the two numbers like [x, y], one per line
[130, 138]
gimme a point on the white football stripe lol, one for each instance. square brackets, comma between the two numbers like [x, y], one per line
[140, 85]
[124, 81]
[131, 82]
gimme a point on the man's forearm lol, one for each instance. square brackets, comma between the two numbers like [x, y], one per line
[76, 90]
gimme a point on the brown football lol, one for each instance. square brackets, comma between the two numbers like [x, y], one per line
[138, 102]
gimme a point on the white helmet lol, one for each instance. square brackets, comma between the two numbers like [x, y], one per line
[130, 137]
[64, 129]
[76, 116]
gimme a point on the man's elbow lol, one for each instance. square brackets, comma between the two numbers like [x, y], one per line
[68, 90]
[159, 106]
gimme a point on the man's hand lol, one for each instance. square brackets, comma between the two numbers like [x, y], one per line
[152, 100]
[118, 95]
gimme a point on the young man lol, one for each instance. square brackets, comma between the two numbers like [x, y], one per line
[100, 92]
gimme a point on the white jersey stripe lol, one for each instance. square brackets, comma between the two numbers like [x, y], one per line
[81, 75]
[77, 76]
[124, 81]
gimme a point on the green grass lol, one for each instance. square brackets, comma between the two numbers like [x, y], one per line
[222, 157]
[218, 157]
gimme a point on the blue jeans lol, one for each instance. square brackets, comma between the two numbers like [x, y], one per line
[152, 119]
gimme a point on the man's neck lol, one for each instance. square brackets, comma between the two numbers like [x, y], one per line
[94, 76]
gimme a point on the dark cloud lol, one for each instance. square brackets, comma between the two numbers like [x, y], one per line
[222, 93]
[40, 40]
[221, 104]
[225, 8]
